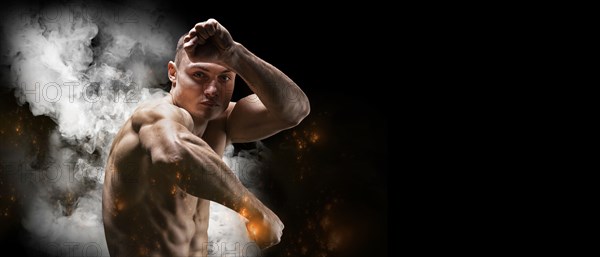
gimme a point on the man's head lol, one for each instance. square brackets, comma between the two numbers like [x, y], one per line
[179, 52]
[203, 89]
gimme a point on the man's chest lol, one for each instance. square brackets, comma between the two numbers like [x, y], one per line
[215, 136]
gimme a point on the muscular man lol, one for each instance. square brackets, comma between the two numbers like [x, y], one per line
[165, 163]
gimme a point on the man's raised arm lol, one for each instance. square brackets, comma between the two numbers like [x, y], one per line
[278, 103]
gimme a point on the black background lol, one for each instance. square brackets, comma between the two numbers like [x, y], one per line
[332, 193]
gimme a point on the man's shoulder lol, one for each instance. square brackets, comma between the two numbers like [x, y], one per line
[219, 124]
[155, 110]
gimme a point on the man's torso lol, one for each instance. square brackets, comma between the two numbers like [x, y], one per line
[146, 214]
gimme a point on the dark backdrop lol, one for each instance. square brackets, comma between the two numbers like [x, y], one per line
[328, 177]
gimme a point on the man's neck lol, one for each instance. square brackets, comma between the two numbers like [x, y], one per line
[199, 126]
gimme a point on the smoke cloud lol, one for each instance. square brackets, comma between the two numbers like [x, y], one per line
[87, 67]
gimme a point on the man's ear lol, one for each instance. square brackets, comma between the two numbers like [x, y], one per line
[172, 72]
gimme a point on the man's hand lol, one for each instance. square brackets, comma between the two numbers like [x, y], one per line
[264, 227]
[208, 41]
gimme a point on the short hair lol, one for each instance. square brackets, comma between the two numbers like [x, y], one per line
[178, 50]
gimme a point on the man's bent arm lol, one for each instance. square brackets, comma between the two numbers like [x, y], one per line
[191, 163]
[276, 91]
[196, 168]
[281, 104]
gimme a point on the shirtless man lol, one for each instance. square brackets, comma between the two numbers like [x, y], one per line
[165, 163]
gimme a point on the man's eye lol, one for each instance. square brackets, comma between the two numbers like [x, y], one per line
[225, 78]
[199, 75]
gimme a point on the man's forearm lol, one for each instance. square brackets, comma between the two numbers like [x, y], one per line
[277, 91]
[203, 173]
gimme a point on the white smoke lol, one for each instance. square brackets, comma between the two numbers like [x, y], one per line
[226, 224]
[87, 68]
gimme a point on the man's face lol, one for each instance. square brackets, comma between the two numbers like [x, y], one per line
[203, 89]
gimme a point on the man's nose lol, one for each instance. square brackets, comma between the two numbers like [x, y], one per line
[211, 89]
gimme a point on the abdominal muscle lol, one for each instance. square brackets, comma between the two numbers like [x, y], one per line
[152, 216]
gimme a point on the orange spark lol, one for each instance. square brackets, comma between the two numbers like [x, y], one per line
[119, 204]
[253, 230]
[314, 137]
[244, 212]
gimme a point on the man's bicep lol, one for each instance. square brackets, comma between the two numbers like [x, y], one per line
[159, 134]
[249, 120]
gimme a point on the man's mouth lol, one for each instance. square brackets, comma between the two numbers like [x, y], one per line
[209, 103]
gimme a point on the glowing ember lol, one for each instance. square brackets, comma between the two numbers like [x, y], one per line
[253, 229]
[120, 206]
[244, 212]
[314, 137]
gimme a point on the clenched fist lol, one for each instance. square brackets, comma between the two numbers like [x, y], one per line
[264, 227]
[209, 41]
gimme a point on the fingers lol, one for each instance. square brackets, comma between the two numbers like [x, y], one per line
[201, 33]
[209, 27]
[204, 30]
[209, 30]
[212, 26]
[193, 38]
[190, 43]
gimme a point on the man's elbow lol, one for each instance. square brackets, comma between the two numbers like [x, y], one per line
[299, 115]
